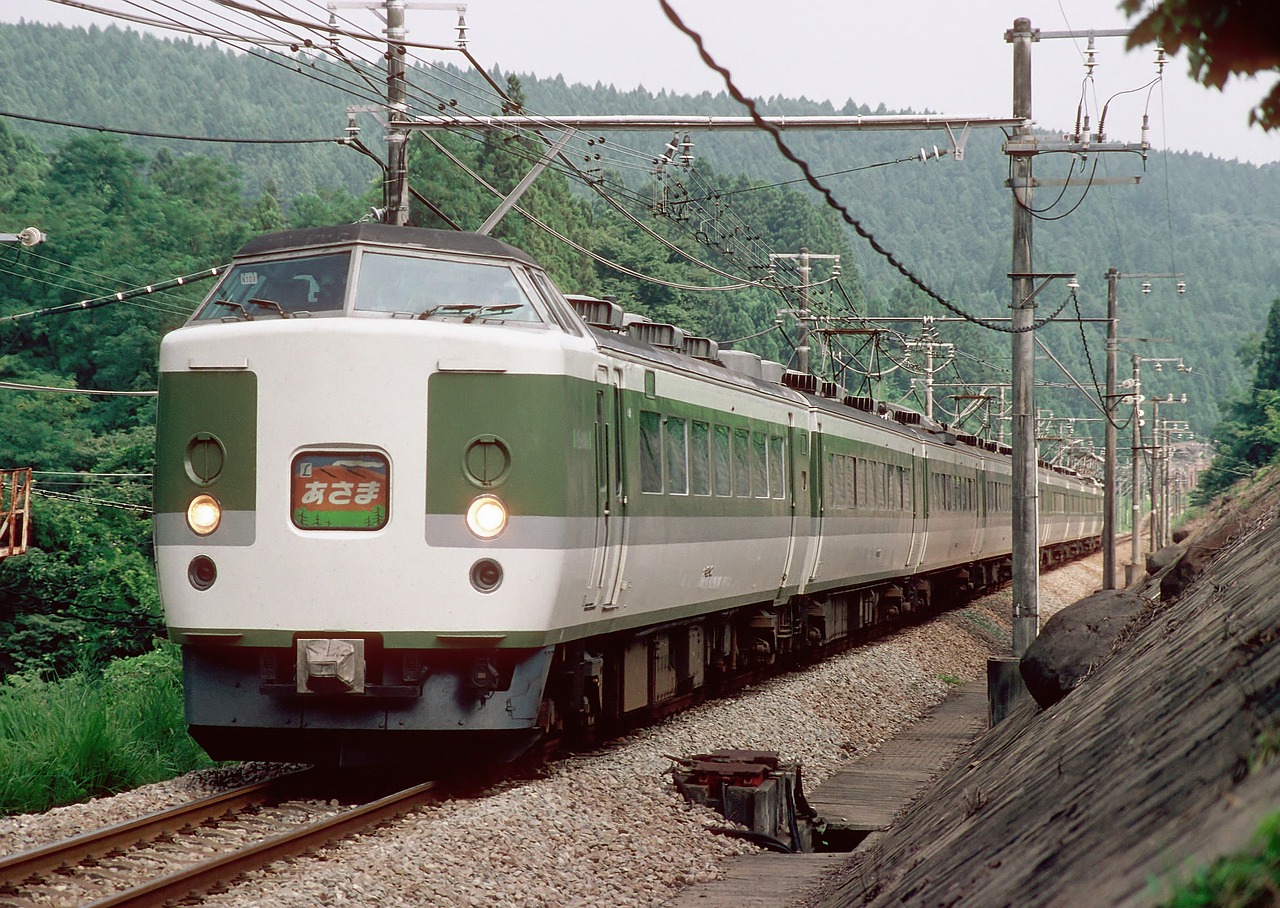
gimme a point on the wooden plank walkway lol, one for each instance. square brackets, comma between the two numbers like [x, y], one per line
[866, 795]
[763, 881]
[862, 797]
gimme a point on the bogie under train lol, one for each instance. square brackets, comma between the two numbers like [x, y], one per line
[414, 505]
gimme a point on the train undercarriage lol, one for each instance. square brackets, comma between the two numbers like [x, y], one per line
[599, 686]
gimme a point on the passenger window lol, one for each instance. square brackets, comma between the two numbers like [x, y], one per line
[723, 462]
[759, 465]
[650, 451]
[742, 463]
[699, 458]
[677, 456]
[777, 464]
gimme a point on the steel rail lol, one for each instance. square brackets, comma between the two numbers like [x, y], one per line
[202, 877]
[45, 859]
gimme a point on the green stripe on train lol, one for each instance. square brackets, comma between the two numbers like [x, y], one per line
[199, 405]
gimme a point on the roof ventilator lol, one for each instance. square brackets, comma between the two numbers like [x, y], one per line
[801, 381]
[658, 335]
[742, 362]
[865, 404]
[772, 372]
[702, 348]
[830, 390]
[598, 313]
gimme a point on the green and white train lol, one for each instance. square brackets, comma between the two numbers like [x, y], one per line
[414, 505]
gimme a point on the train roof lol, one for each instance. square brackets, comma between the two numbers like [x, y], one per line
[384, 235]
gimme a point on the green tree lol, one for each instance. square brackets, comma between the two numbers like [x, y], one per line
[1223, 39]
[1249, 436]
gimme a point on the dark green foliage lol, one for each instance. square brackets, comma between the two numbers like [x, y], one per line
[1249, 436]
[1250, 878]
[87, 734]
[1239, 38]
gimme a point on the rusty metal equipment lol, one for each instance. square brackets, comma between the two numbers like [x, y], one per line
[15, 511]
[754, 789]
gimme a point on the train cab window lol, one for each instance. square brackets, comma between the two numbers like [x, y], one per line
[442, 289]
[559, 308]
[722, 461]
[650, 451]
[699, 458]
[676, 443]
[313, 284]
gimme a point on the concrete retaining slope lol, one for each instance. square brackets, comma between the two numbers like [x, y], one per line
[1149, 768]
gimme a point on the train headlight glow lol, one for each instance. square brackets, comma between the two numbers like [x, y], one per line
[204, 514]
[487, 517]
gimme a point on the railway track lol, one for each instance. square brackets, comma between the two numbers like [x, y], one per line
[165, 856]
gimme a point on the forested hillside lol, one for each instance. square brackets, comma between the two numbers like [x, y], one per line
[1216, 221]
[76, 386]
[124, 212]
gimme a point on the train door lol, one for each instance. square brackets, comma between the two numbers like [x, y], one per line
[919, 508]
[816, 493]
[611, 500]
[796, 472]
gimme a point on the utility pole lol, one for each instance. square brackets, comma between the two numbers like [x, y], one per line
[1026, 548]
[804, 259]
[1110, 470]
[392, 13]
[1135, 536]
[1109, 440]
[1022, 147]
[397, 110]
[802, 351]
[930, 344]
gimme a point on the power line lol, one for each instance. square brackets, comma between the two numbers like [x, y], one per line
[119, 296]
[21, 386]
[167, 135]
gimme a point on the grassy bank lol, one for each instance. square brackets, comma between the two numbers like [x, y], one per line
[74, 738]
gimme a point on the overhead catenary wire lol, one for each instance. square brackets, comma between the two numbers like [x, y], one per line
[229, 140]
[119, 296]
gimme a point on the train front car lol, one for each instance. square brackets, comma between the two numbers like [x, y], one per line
[354, 573]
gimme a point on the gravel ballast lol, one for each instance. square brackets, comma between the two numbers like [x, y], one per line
[607, 828]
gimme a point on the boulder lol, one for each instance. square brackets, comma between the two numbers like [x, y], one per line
[1075, 640]
[1158, 561]
[1202, 550]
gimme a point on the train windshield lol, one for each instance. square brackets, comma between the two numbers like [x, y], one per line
[431, 288]
[282, 288]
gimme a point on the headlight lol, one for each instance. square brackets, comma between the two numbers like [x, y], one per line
[204, 514]
[487, 517]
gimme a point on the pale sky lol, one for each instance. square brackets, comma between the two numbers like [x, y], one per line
[948, 57]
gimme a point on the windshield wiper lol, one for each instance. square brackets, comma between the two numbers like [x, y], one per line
[489, 310]
[270, 305]
[236, 307]
[450, 309]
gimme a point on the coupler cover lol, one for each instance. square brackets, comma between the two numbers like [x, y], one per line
[330, 666]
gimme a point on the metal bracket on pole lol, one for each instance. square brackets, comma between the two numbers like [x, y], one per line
[514, 196]
[957, 145]
[1049, 277]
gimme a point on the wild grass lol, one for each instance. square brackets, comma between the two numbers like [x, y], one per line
[1249, 878]
[69, 739]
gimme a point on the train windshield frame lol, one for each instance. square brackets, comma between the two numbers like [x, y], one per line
[281, 287]
[443, 288]
[381, 283]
